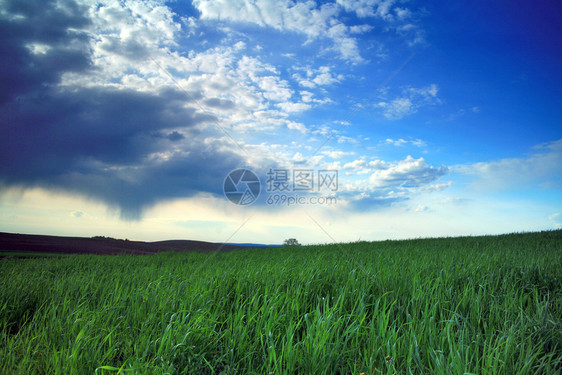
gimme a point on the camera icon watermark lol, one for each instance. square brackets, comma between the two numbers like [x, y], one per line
[284, 186]
[242, 186]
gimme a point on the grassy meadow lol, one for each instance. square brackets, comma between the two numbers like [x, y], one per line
[471, 305]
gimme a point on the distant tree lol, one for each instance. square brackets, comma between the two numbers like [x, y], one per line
[291, 242]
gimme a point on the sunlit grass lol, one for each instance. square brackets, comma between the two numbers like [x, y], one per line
[480, 305]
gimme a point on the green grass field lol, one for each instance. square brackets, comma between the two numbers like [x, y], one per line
[478, 305]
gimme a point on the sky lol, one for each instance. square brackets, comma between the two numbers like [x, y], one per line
[359, 119]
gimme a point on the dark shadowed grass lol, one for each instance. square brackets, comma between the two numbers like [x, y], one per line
[479, 305]
[28, 254]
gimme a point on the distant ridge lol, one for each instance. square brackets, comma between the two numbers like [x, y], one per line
[249, 244]
[106, 245]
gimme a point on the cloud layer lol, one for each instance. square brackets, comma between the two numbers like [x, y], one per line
[313, 21]
[542, 168]
[125, 146]
[109, 100]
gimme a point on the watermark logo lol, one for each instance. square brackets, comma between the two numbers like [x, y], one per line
[284, 186]
[279, 180]
[242, 187]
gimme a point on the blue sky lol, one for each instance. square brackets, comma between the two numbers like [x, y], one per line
[124, 118]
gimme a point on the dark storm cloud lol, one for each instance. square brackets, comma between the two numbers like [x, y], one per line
[99, 142]
[55, 133]
[39, 22]
[175, 136]
[134, 188]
